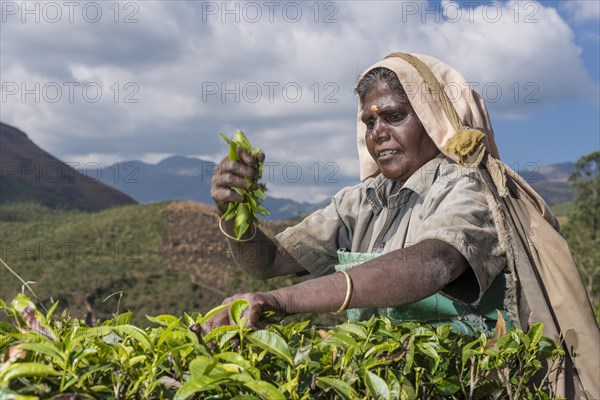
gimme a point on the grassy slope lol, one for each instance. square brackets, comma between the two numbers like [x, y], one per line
[77, 257]
[562, 209]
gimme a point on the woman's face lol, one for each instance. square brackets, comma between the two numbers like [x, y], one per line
[395, 137]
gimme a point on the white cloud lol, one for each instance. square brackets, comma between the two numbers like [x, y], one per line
[154, 158]
[582, 10]
[91, 161]
[163, 77]
[303, 193]
[520, 57]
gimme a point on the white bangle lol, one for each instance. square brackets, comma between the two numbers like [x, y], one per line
[348, 293]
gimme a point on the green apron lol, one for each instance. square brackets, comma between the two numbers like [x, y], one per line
[438, 308]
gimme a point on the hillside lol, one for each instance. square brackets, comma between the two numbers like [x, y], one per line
[151, 259]
[31, 174]
[552, 182]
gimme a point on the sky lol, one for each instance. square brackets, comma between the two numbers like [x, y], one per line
[94, 83]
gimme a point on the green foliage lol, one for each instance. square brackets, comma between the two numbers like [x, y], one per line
[582, 230]
[83, 258]
[562, 209]
[46, 356]
[245, 211]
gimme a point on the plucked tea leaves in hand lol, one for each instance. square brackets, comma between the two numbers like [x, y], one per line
[245, 212]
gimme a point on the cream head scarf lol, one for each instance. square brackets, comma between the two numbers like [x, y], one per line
[454, 116]
[457, 121]
[427, 99]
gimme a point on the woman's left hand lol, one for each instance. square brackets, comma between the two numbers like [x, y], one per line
[259, 303]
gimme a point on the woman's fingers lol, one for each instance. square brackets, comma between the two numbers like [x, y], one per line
[234, 169]
[228, 179]
[229, 174]
[255, 318]
[224, 195]
[252, 314]
[249, 159]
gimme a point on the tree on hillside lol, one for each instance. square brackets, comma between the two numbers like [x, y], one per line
[582, 230]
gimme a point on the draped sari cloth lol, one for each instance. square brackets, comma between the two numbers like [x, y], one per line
[546, 281]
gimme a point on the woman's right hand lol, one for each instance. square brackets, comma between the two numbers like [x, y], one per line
[230, 174]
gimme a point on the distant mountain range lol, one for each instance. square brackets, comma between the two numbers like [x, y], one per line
[552, 182]
[31, 174]
[183, 179]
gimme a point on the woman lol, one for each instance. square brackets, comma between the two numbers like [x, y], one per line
[439, 230]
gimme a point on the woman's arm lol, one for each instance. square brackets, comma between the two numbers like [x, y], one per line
[262, 257]
[396, 278]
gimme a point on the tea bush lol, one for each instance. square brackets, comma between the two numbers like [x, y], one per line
[49, 356]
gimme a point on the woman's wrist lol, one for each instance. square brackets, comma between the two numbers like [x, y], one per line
[227, 229]
[317, 295]
[279, 301]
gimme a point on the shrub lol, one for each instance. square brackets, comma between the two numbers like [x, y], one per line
[46, 356]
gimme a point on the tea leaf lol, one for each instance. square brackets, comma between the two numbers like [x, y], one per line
[377, 387]
[429, 349]
[535, 334]
[232, 147]
[236, 310]
[410, 355]
[122, 330]
[6, 394]
[202, 320]
[242, 141]
[341, 387]
[449, 386]
[271, 342]
[354, 329]
[265, 390]
[19, 370]
[45, 348]
[198, 384]
[234, 358]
